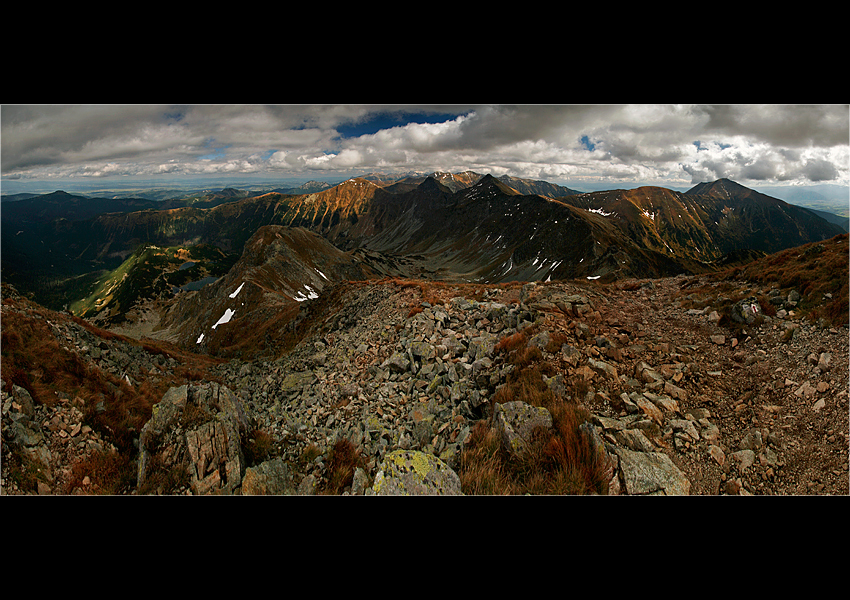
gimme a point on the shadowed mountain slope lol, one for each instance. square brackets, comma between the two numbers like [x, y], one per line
[447, 226]
[280, 267]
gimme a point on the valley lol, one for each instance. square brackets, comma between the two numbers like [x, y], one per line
[399, 319]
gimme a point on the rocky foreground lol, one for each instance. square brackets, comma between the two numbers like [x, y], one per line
[684, 398]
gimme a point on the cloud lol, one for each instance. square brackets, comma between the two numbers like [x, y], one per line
[664, 143]
[819, 170]
[782, 125]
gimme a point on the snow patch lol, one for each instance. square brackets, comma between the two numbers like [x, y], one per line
[239, 289]
[225, 318]
[594, 276]
[311, 294]
[200, 339]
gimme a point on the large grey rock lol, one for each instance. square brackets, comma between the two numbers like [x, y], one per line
[746, 311]
[422, 350]
[603, 368]
[414, 473]
[196, 430]
[270, 478]
[481, 346]
[397, 363]
[650, 473]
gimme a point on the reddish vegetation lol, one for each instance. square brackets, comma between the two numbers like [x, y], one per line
[343, 461]
[36, 357]
[562, 460]
[813, 270]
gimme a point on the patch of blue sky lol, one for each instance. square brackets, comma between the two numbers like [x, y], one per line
[585, 141]
[387, 120]
[701, 146]
[216, 153]
[175, 116]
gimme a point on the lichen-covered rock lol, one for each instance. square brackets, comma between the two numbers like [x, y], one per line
[295, 381]
[422, 350]
[414, 473]
[481, 346]
[398, 363]
[603, 368]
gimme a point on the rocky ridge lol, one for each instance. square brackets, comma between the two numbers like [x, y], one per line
[685, 400]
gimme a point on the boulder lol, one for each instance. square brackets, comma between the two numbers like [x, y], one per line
[397, 363]
[746, 311]
[650, 473]
[193, 439]
[414, 473]
[270, 478]
[422, 350]
[541, 340]
[603, 368]
[481, 346]
[517, 421]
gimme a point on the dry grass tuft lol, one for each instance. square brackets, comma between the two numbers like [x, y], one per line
[343, 460]
[560, 460]
[257, 447]
[103, 473]
[509, 343]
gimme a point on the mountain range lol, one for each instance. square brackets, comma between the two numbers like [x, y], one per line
[68, 251]
[304, 340]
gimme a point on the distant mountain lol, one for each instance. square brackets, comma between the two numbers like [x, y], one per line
[16, 197]
[207, 199]
[463, 226]
[151, 272]
[541, 188]
[310, 187]
[843, 222]
[747, 219]
[490, 233]
[44, 208]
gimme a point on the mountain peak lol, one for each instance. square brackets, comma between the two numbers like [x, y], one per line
[721, 188]
[490, 183]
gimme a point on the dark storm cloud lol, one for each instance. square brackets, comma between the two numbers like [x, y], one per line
[782, 125]
[820, 170]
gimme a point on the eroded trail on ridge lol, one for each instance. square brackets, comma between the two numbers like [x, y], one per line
[778, 400]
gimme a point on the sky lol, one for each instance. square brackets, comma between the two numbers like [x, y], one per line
[581, 146]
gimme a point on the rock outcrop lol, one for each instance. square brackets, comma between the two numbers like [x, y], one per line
[196, 431]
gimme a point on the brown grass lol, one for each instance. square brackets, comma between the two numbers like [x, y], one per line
[33, 358]
[511, 342]
[257, 447]
[343, 459]
[561, 460]
[814, 270]
[159, 478]
[108, 473]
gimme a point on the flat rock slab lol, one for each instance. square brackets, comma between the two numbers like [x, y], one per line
[651, 473]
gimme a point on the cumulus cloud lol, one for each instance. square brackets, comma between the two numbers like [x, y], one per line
[673, 143]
